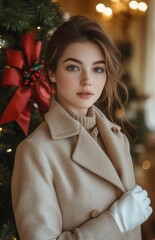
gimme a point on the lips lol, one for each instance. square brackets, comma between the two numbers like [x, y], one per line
[85, 93]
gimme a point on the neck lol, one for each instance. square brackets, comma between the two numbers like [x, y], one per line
[82, 113]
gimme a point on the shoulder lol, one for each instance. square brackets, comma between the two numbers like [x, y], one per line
[31, 157]
[37, 139]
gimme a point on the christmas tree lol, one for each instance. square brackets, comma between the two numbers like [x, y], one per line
[24, 95]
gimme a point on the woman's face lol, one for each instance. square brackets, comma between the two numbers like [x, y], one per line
[80, 76]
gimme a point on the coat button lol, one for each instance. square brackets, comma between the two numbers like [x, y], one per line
[95, 213]
[115, 130]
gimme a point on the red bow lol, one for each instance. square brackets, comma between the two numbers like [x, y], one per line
[24, 71]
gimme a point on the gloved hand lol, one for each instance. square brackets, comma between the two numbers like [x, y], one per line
[132, 209]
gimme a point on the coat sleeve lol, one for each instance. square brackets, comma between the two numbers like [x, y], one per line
[36, 208]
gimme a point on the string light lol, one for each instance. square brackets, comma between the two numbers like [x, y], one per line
[133, 5]
[142, 6]
[115, 6]
[108, 12]
[146, 165]
[100, 7]
[2, 42]
[9, 150]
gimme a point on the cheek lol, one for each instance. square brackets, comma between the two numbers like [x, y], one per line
[104, 80]
[100, 84]
[66, 79]
[63, 82]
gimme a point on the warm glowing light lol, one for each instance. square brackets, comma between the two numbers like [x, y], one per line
[100, 7]
[142, 6]
[146, 165]
[66, 16]
[133, 5]
[9, 150]
[1, 129]
[14, 238]
[119, 113]
[117, 6]
[38, 27]
[108, 11]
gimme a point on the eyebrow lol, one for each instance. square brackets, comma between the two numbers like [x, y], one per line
[78, 61]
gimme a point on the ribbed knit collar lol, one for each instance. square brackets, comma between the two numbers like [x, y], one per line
[88, 122]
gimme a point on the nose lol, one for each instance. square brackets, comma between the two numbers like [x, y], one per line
[86, 81]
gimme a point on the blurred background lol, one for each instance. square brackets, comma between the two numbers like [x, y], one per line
[131, 25]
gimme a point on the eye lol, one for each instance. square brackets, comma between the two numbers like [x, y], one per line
[99, 69]
[72, 68]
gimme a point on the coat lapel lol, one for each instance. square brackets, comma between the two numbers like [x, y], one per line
[112, 142]
[89, 155]
[117, 150]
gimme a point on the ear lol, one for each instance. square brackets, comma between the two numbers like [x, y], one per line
[52, 76]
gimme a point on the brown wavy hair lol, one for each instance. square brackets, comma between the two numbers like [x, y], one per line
[82, 29]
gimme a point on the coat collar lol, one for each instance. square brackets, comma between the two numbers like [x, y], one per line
[60, 123]
[87, 152]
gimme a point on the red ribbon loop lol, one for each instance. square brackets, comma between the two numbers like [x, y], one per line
[24, 71]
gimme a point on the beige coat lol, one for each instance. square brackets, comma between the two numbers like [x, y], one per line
[63, 183]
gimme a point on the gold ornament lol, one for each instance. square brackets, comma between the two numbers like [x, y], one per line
[14, 238]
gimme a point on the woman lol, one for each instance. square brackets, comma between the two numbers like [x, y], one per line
[73, 176]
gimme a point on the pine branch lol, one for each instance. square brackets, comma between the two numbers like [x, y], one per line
[15, 16]
[23, 16]
[5, 177]
[7, 231]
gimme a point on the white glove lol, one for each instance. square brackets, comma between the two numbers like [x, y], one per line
[132, 209]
